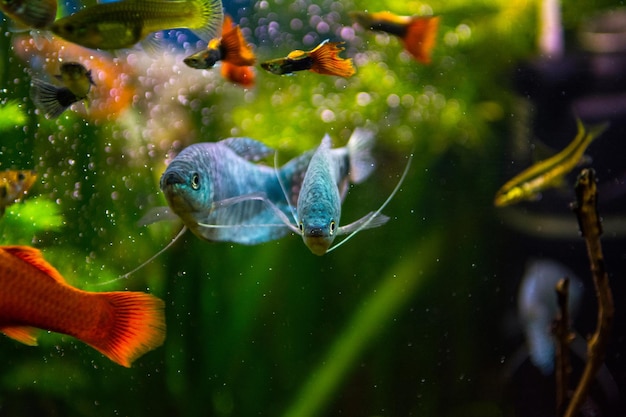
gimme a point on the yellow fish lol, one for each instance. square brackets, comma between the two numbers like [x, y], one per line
[37, 14]
[550, 172]
[323, 59]
[122, 24]
[14, 185]
[53, 100]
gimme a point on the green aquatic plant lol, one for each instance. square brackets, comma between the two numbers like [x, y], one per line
[11, 115]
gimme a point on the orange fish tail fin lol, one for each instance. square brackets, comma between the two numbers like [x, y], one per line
[236, 50]
[243, 76]
[326, 60]
[420, 37]
[136, 325]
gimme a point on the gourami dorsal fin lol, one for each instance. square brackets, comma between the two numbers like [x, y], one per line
[249, 149]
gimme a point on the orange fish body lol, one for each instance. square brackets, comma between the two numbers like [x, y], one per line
[323, 59]
[121, 325]
[418, 33]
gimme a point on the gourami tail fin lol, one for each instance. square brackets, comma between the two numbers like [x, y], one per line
[136, 325]
[360, 151]
[420, 37]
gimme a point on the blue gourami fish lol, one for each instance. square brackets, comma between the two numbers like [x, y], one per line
[538, 308]
[318, 209]
[53, 100]
[222, 195]
[122, 24]
[550, 172]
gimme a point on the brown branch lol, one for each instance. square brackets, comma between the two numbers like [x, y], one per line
[590, 226]
[563, 338]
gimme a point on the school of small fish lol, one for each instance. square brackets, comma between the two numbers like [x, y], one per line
[220, 190]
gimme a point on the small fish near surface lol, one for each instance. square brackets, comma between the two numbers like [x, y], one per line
[14, 184]
[121, 325]
[220, 194]
[124, 23]
[323, 59]
[550, 172]
[318, 209]
[418, 33]
[36, 14]
[54, 100]
[231, 48]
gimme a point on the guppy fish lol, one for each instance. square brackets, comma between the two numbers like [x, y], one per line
[323, 59]
[121, 325]
[231, 48]
[14, 185]
[537, 307]
[325, 183]
[416, 32]
[122, 24]
[36, 14]
[53, 100]
[550, 172]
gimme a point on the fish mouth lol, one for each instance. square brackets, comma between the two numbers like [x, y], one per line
[171, 178]
[318, 245]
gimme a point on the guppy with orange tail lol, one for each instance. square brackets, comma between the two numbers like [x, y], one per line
[323, 59]
[416, 32]
[231, 47]
[121, 325]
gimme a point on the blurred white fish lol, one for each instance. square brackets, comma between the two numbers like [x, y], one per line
[537, 307]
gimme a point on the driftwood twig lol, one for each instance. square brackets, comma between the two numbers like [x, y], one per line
[591, 228]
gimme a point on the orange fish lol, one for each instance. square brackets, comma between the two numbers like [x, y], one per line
[243, 76]
[231, 48]
[14, 185]
[324, 59]
[121, 325]
[417, 32]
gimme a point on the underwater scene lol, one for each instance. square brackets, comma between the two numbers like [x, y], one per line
[312, 208]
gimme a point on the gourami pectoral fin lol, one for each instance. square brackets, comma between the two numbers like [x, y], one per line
[369, 221]
[23, 334]
[157, 214]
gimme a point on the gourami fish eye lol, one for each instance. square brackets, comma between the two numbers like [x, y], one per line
[332, 227]
[195, 181]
